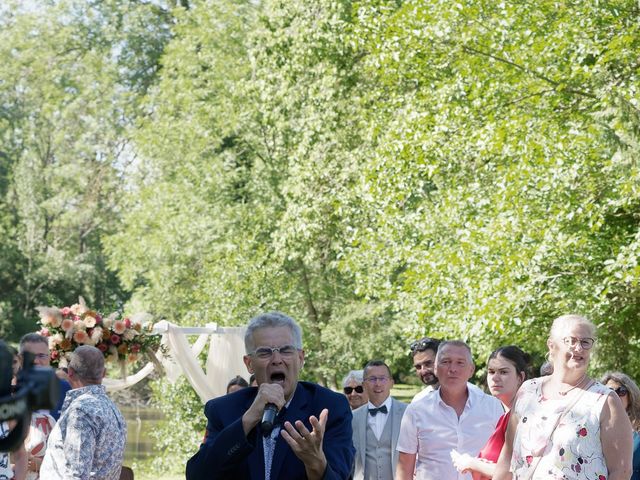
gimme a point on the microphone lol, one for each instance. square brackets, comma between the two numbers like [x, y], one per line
[268, 418]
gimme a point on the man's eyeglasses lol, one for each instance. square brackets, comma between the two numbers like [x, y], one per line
[376, 379]
[621, 391]
[286, 351]
[349, 390]
[585, 343]
[423, 344]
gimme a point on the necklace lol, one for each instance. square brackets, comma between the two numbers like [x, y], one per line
[573, 387]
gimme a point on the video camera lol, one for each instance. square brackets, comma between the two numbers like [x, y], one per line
[37, 388]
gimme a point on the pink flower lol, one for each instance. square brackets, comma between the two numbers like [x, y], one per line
[582, 432]
[65, 311]
[81, 336]
[54, 354]
[119, 327]
[67, 324]
[135, 348]
[127, 323]
[115, 339]
[98, 319]
[102, 347]
[44, 332]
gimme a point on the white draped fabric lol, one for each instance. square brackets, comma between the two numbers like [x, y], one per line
[224, 360]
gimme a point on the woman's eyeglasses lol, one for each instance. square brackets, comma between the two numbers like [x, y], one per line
[621, 391]
[585, 343]
[349, 390]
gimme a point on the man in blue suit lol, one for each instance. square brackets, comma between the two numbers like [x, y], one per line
[312, 436]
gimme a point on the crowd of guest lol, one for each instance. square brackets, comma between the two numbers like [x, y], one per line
[562, 424]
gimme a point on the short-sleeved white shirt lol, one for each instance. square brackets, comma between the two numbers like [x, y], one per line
[431, 429]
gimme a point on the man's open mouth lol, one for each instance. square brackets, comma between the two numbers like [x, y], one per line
[277, 377]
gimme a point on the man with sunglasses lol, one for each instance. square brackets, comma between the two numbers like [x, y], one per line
[423, 352]
[310, 438]
[376, 426]
[354, 390]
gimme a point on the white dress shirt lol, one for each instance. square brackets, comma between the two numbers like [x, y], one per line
[423, 393]
[378, 421]
[431, 429]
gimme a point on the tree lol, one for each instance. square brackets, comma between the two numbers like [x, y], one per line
[71, 78]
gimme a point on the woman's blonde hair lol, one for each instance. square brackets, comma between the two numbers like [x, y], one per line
[565, 322]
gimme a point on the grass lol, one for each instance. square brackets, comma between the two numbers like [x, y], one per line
[405, 392]
[149, 476]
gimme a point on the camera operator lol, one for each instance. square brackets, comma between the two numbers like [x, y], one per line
[38, 346]
[40, 427]
[34, 388]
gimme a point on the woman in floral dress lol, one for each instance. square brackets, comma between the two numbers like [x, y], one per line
[567, 426]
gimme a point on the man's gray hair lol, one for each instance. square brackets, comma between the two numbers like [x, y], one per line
[88, 363]
[453, 343]
[272, 320]
[355, 375]
[33, 338]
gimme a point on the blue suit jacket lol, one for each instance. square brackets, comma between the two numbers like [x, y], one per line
[227, 454]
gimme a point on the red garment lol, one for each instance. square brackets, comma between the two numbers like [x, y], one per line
[491, 449]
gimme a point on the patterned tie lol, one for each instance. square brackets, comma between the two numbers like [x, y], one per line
[374, 411]
[269, 442]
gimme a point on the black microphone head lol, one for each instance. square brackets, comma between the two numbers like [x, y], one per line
[268, 418]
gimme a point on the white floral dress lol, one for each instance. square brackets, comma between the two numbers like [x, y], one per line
[574, 451]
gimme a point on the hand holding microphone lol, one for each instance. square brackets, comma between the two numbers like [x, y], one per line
[264, 409]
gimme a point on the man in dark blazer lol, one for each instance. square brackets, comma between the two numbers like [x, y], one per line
[312, 436]
[376, 426]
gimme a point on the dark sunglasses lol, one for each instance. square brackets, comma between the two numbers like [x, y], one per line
[621, 391]
[349, 390]
[423, 344]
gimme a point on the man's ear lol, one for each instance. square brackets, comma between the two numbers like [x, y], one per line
[247, 361]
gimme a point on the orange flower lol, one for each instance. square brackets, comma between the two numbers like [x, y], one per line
[119, 327]
[67, 324]
[81, 336]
